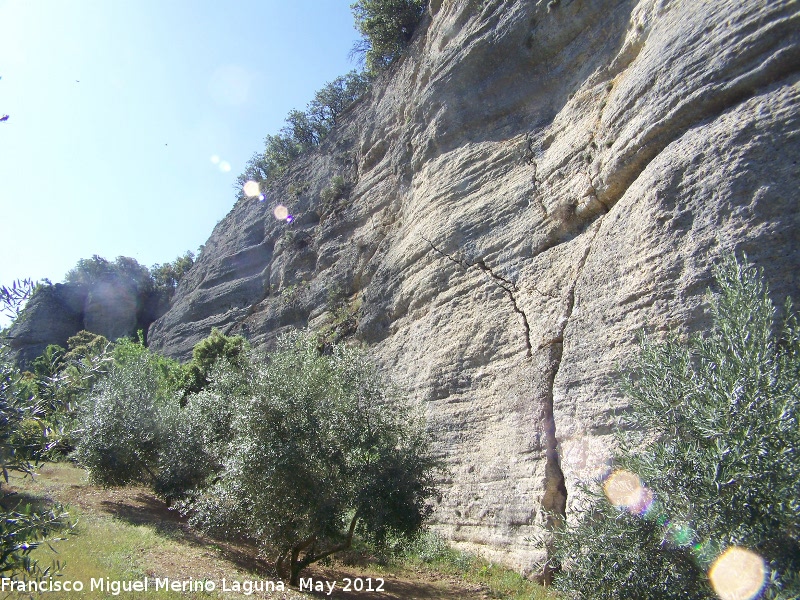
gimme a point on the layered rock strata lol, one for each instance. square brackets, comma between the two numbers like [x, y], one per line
[530, 186]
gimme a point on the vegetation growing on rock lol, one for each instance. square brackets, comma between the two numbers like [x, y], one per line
[206, 354]
[387, 27]
[159, 281]
[304, 130]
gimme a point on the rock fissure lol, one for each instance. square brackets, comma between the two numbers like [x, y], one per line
[554, 500]
[508, 286]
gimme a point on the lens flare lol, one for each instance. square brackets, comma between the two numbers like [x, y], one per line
[680, 534]
[225, 166]
[251, 189]
[261, 197]
[738, 574]
[644, 504]
[281, 212]
[215, 159]
[625, 489]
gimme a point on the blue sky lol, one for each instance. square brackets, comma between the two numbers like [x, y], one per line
[123, 115]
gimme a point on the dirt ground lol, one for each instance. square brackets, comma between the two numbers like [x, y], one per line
[203, 557]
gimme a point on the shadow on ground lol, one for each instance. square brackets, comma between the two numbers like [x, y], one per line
[144, 509]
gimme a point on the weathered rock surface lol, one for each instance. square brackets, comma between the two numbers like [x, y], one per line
[52, 316]
[111, 308]
[55, 313]
[533, 184]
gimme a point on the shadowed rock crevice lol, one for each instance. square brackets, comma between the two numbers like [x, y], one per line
[554, 500]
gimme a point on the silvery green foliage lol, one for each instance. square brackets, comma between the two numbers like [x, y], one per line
[318, 449]
[197, 435]
[122, 430]
[22, 528]
[713, 432]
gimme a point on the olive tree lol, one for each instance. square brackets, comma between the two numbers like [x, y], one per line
[137, 424]
[320, 450]
[121, 428]
[197, 432]
[710, 453]
[22, 529]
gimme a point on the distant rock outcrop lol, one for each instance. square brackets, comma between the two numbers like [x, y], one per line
[51, 316]
[110, 308]
[531, 185]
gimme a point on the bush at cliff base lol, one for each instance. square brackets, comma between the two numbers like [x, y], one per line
[319, 450]
[703, 500]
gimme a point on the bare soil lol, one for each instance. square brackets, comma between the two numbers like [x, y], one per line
[204, 557]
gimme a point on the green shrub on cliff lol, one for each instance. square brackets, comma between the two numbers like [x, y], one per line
[167, 276]
[124, 270]
[207, 353]
[304, 130]
[706, 490]
[387, 27]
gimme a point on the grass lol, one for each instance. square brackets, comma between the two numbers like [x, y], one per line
[126, 534]
[431, 553]
[113, 540]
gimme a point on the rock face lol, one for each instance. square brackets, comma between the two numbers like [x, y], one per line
[52, 316]
[110, 307]
[531, 185]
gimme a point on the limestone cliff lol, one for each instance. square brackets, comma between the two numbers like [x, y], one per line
[531, 185]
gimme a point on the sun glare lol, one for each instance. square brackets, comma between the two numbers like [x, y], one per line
[625, 489]
[738, 574]
[281, 212]
[251, 189]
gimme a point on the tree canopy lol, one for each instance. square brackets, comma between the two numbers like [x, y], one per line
[387, 27]
[707, 481]
[320, 450]
[304, 130]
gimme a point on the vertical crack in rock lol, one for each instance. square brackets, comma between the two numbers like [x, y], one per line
[554, 500]
[508, 286]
